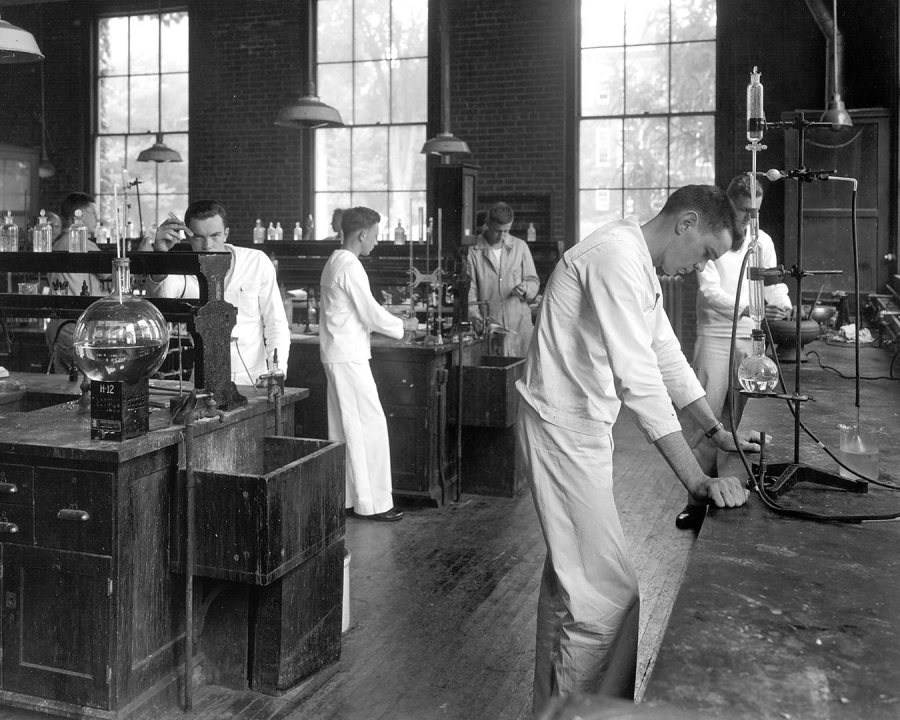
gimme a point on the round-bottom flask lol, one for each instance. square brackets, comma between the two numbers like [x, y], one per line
[758, 373]
[120, 337]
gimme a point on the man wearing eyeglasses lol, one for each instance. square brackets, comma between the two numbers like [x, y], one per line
[251, 286]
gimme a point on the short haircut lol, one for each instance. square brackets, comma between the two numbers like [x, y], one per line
[740, 187]
[204, 209]
[500, 213]
[712, 205]
[74, 201]
[358, 218]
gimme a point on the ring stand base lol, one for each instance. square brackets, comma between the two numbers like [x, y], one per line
[785, 475]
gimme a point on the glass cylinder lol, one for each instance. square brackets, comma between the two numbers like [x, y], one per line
[756, 288]
[756, 115]
[758, 373]
[120, 337]
[9, 234]
[42, 235]
[78, 235]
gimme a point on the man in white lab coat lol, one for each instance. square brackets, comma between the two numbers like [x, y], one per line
[349, 313]
[251, 285]
[603, 339]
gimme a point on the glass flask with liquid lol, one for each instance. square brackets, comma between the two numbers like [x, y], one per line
[42, 235]
[78, 234]
[122, 336]
[758, 373]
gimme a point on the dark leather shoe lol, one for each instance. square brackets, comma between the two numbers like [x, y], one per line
[391, 515]
[691, 518]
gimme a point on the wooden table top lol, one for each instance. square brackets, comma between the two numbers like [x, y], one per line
[780, 617]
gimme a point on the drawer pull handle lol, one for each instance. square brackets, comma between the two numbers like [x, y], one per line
[9, 488]
[73, 514]
[8, 528]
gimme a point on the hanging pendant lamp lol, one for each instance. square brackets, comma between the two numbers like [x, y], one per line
[159, 152]
[836, 113]
[445, 143]
[46, 169]
[309, 111]
[17, 45]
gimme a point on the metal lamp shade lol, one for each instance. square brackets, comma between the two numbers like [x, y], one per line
[836, 113]
[309, 112]
[17, 45]
[159, 152]
[445, 144]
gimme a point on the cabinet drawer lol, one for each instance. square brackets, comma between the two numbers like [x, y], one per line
[16, 484]
[16, 523]
[73, 510]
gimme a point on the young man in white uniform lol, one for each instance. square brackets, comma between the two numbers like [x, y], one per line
[349, 313]
[717, 289]
[603, 339]
[251, 286]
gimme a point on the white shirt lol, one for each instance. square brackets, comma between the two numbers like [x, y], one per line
[717, 287]
[349, 312]
[261, 325]
[603, 339]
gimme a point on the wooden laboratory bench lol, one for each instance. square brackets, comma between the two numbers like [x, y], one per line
[414, 386]
[780, 617]
[91, 535]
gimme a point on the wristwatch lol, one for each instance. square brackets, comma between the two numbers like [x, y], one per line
[709, 434]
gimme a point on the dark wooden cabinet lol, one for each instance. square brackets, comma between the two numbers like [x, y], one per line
[57, 613]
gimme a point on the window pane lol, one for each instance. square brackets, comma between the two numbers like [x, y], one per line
[369, 158]
[144, 39]
[409, 84]
[133, 146]
[646, 152]
[646, 79]
[601, 153]
[112, 105]
[334, 85]
[410, 28]
[378, 201]
[326, 204]
[645, 204]
[693, 20]
[407, 162]
[173, 177]
[144, 102]
[174, 42]
[692, 148]
[174, 92]
[646, 21]
[694, 81]
[110, 161]
[175, 204]
[113, 46]
[602, 22]
[372, 29]
[372, 93]
[335, 42]
[333, 159]
[602, 84]
[598, 207]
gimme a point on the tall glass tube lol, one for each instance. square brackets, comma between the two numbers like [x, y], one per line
[756, 115]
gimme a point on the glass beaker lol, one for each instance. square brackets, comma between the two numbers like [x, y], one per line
[859, 450]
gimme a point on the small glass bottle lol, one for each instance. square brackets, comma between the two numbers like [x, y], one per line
[259, 233]
[279, 232]
[298, 231]
[270, 232]
[78, 234]
[756, 115]
[399, 234]
[531, 233]
[9, 234]
[309, 228]
[101, 234]
[758, 373]
[429, 232]
[42, 236]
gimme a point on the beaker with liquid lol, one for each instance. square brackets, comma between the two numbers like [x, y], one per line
[859, 450]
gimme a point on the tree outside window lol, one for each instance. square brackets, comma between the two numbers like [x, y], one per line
[647, 105]
[372, 65]
[142, 89]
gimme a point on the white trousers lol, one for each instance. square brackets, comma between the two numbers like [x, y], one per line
[711, 365]
[586, 638]
[355, 416]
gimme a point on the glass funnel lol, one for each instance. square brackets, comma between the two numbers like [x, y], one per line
[120, 337]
